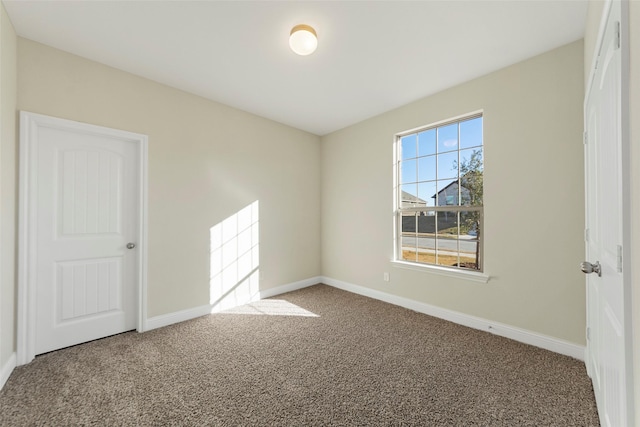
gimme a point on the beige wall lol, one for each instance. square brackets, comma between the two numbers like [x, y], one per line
[206, 162]
[534, 198]
[8, 180]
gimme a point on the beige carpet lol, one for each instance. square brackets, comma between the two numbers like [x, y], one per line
[314, 357]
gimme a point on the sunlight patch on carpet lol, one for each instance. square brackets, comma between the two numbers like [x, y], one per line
[271, 307]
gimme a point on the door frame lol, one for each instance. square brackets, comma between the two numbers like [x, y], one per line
[27, 227]
[625, 127]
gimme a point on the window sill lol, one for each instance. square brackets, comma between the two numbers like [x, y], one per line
[459, 274]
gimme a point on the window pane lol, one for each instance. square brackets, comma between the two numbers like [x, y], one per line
[447, 249]
[447, 223]
[471, 190]
[426, 224]
[471, 180]
[448, 138]
[408, 147]
[468, 257]
[447, 238]
[471, 133]
[447, 193]
[408, 196]
[427, 142]
[427, 193]
[408, 237]
[471, 159]
[469, 239]
[408, 171]
[427, 168]
[409, 223]
[469, 224]
[425, 240]
[448, 165]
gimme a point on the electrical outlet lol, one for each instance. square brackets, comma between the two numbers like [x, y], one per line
[385, 276]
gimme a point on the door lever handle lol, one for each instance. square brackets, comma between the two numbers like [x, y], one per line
[589, 268]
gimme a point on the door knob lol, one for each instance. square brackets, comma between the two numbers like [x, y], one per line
[131, 245]
[589, 268]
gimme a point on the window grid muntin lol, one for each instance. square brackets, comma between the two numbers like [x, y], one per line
[437, 208]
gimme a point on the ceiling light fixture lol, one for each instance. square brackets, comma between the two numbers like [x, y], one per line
[303, 40]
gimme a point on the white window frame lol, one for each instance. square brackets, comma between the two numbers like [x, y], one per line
[398, 210]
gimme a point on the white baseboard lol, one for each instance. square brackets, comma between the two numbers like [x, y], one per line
[271, 292]
[522, 335]
[191, 313]
[7, 369]
[177, 317]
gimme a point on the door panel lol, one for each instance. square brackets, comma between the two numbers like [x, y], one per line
[87, 212]
[90, 185]
[87, 288]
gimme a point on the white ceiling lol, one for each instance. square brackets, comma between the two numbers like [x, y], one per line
[372, 56]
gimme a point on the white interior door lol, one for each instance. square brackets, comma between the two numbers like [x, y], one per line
[84, 228]
[606, 348]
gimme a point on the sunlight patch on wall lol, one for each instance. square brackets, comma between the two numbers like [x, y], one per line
[271, 307]
[235, 260]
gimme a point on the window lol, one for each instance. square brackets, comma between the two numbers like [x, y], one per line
[439, 206]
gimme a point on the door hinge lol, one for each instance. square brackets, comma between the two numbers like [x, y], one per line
[585, 137]
[619, 259]
[586, 234]
[588, 333]
[617, 41]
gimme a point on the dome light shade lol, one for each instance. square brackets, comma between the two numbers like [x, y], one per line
[303, 39]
